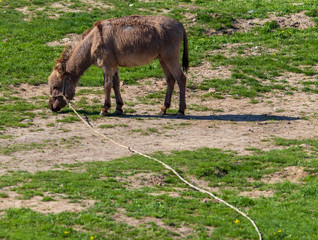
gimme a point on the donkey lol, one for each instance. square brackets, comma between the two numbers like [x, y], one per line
[126, 42]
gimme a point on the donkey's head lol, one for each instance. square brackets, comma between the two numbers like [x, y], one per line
[56, 84]
[61, 88]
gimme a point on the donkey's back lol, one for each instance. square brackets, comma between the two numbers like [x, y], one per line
[137, 40]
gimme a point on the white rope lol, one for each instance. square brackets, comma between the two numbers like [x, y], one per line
[171, 169]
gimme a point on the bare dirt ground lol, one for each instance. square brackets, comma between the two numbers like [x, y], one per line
[229, 124]
[36, 203]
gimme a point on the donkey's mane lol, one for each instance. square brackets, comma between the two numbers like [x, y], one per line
[67, 52]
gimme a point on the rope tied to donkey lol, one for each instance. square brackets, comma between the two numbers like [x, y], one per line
[169, 168]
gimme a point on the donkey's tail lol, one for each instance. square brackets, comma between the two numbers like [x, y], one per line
[185, 58]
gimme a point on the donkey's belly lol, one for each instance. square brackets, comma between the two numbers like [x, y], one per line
[134, 60]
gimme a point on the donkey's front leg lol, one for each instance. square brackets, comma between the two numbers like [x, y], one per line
[108, 84]
[119, 100]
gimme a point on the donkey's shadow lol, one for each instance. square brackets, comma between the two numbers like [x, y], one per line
[224, 117]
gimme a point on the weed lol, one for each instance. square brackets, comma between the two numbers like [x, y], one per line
[106, 126]
[47, 199]
[68, 119]
[6, 136]
[3, 195]
[64, 130]
[185, 124]
[152, 130]
[130, 110]
[12, 148]
[200, 108]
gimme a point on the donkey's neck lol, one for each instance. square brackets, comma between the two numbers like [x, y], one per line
[80, 60]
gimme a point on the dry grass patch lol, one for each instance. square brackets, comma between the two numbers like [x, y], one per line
[293, 174]
[205, 185]
[27, 91]
[67, 40]
[205, 71]
[96, 4]
[257, 193]
[120, 217]
[55, 10]
[296, 79]
[140, 180]
[170, 194]
[28, 13]
[298, 20]
[57, 204]
[248, 49]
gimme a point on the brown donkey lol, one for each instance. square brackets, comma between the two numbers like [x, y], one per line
[125, 42]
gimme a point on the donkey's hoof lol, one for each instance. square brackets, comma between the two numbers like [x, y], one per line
[180, 115]
[162, 111]
[103, 112]
[118, 112]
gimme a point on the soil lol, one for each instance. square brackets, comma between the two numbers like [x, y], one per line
[229, 124]
[182, 231]
[298, 20]
[140, 180]
[62, 7]
[36, 203]
[293, 174]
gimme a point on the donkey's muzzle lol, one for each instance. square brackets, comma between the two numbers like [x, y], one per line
[56, 103]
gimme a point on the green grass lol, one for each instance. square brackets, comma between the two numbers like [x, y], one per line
[291, 213]
[293, 204]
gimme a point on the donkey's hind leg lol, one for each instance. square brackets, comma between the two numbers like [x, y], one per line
[108, 83]
[119, 100]
[176, 72]
[170, 86]
[181, 80]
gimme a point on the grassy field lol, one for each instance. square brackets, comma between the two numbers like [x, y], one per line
[132, 197]
[289, 213]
